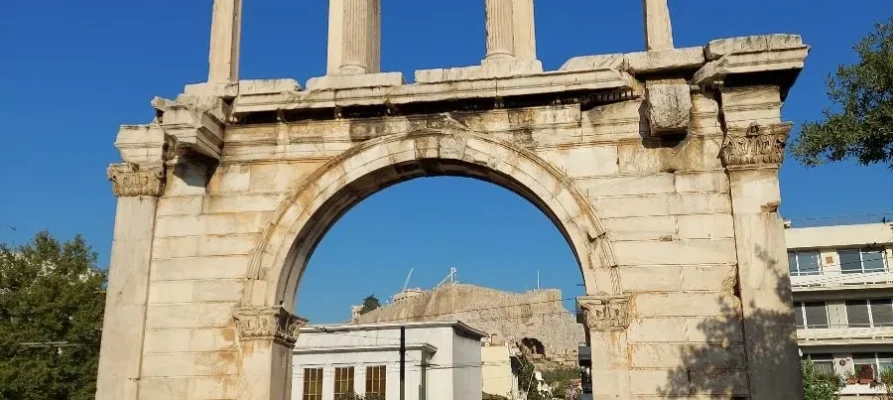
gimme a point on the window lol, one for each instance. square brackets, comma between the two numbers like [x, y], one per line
[823, 362]
[869, 365]
[804, 262]
[312, 384]
[343, 382]
[375, 380]
[869, 313]
[811, 315]
[857, 261]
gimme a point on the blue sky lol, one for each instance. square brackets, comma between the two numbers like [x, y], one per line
[72, 71]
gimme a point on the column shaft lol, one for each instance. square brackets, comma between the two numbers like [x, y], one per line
[658, 29]
[356, 37]
[524, 30]
[500, 33]
[226, 26]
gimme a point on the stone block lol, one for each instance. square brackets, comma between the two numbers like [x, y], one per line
[167, 340]
[205, 315]
[669, 106]
[174, 269]
[730, 382]
[652, 382]
[714, 278]
[164, 292]
[658, 330]
[279, 177]
[641, 228]
[192, 246]
[331, 82]
[213, 387]
[705, 226]
[721, 47]
[582, 63]
[583, 161]
[651, 279]
[721, 308]
[250, 87]
[210, 224]
[677, 252]
[201, 340]
[713, 181]
[687, 58]
[662, 204]
[217, 290]
[190, 364]
[164, 389]
[690, 356]
[489, 69]
[230, 178]
[243, 203]
[627, 185]
[190, 205]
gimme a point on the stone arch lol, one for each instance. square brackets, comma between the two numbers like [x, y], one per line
[314, 206]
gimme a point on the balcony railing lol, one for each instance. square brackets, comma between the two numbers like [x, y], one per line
[844, 333]
[837, 278]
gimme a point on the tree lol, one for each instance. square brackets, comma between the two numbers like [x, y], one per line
[862, 128]
[51, 304]
[370, 303]
[818, 385]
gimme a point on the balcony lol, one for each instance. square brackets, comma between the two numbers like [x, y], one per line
[835, 335]
[832, 278]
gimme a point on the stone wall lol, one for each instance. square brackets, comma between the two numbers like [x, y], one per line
[513, 316]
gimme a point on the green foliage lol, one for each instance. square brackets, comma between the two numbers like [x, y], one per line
[370, 303]
[818, 385]
[356, 396]
[862, 128]
[50, 292]
[886, 378]
[527, 380]
[560, 380]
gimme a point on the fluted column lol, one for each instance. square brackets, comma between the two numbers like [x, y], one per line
[500, 30]
[226, 27]
[658, 29]
[524, 39]
[355, 39]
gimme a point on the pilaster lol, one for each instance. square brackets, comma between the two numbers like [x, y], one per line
[752, 156]
[607, 319]
[137, 182]
[266, 337]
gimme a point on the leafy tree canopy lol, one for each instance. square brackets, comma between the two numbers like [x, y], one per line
[862, 126]
[370, 303]
[818, 385]
[51, 304]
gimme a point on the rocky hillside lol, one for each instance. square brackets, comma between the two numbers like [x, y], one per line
[537, 316]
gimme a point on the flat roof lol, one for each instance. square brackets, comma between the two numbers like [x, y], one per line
[838, 235]
[455, 324]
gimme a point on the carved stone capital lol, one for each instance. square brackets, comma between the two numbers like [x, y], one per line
[605, 313]
[754, 147]
[129, 179]
[268, 323]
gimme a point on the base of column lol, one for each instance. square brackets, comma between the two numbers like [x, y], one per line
[488, 69]
[356, 81]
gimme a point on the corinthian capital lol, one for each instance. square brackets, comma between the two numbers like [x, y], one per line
[268, 323]
[129, 179]
[605, 313]
[756, 146]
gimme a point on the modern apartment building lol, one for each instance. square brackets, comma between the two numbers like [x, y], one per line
[843, 298]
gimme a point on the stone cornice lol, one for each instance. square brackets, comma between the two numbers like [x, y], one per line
[129, 179]
[268, 323]
[605, 313]
[756, 146]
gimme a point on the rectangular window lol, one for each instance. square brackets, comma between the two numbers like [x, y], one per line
[869, 313]
[881, 312]
[343, 383]
[798, 315]
[376, 381]
[857, 261]
[816, 314]
[823, 362]
[312, 384]
[885, 361]
[865, 365]
[858, 314]
[804, 262]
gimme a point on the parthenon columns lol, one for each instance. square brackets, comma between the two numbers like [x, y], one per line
[226, 27]
[658, 29]
[354, 37]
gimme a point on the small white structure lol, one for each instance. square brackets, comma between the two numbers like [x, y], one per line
[443, 361]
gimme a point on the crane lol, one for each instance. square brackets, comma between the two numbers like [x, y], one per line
[451, 277]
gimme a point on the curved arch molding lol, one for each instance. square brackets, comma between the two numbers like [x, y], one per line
[301, 220]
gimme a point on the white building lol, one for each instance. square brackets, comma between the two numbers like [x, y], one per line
[443, 361]
[501, 368]
[843, 300]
